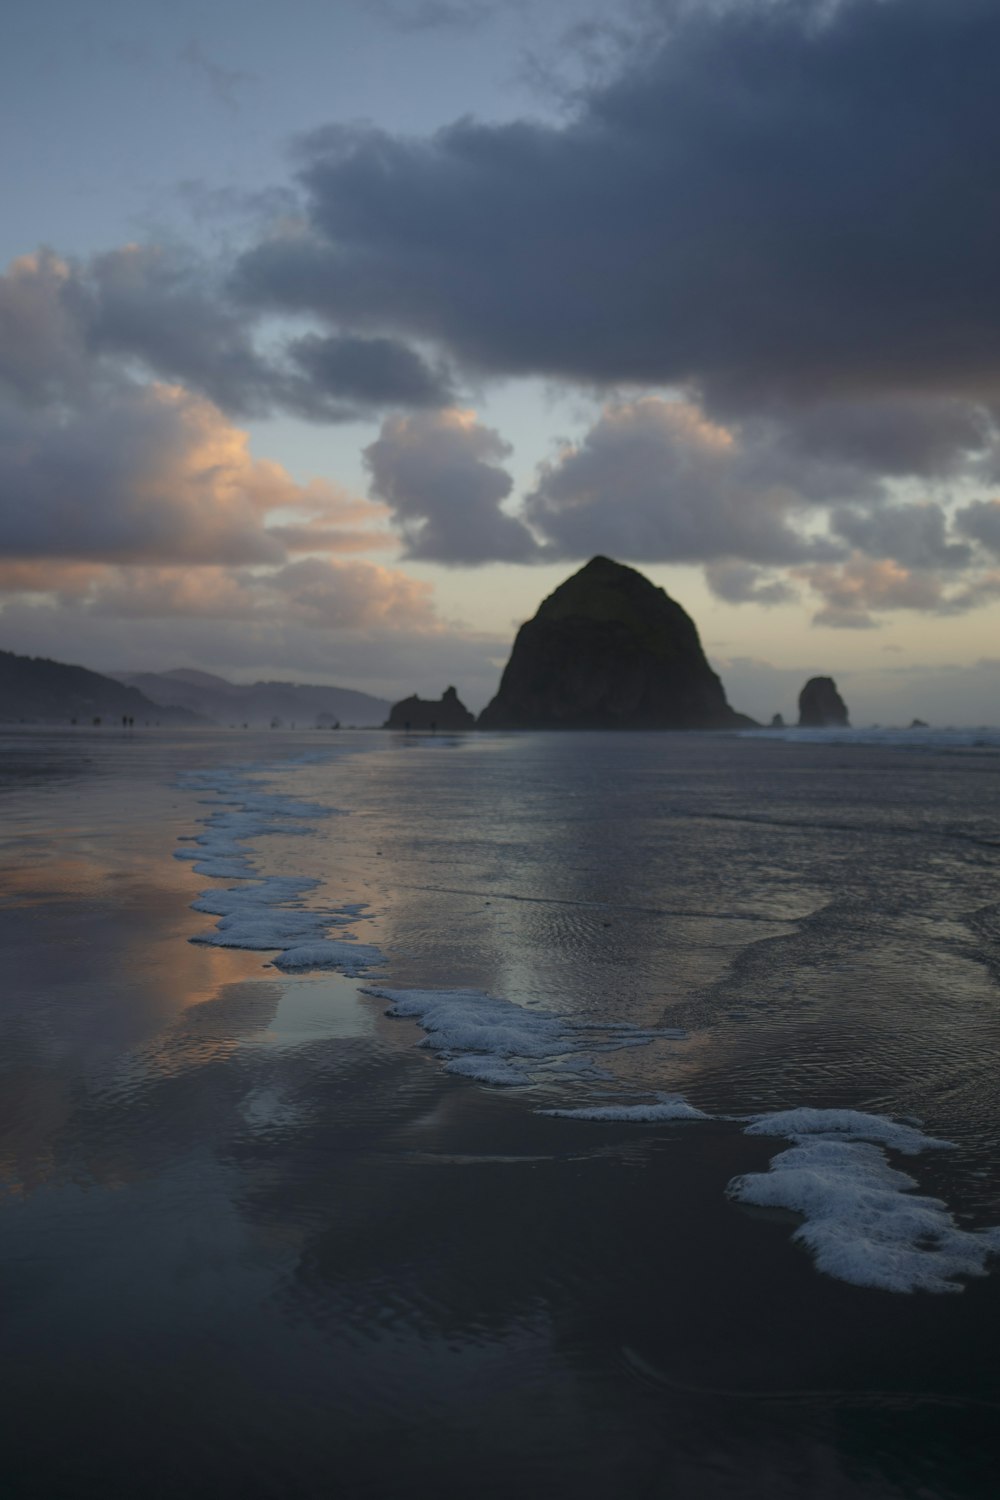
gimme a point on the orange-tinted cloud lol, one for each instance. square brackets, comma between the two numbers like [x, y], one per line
[313, 538]
[862, 584]
[346, 596]
[69, 580]
[155, 475]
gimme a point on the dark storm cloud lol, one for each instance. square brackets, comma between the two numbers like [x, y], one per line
[894, 436]
[765, 202]
[70, 330]
[915, 535]
[373, 372]
[169, 311]
[981, 521]
[441, 475]
[162, 308]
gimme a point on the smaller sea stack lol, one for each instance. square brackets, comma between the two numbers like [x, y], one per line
[821, 706]
[446, 712]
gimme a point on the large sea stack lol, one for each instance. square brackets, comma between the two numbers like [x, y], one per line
[609, 650]
[821, 706]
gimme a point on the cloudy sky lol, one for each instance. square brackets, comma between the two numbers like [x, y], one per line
[334, 335]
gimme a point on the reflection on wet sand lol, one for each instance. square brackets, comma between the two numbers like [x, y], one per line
[94, 923]
[257, 1232]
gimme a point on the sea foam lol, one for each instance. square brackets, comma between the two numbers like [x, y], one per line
[495, 1041]
[667, 1107]
[268, 913]
[847, 1124]
[862, 1221]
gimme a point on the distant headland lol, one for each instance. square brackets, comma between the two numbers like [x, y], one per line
[36, 690]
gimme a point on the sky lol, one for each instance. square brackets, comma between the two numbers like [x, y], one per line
[333, 336]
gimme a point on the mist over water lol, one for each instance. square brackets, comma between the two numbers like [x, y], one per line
[287, 1240]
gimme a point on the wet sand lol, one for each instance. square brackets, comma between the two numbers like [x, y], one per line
[257, 1242]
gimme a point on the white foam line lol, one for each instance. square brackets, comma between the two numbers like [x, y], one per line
[268, 913]
[667, 1107]
[847, 1124]
[861, 1220]
[495, 1041]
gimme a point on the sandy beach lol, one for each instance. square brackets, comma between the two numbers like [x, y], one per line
[251, 1225]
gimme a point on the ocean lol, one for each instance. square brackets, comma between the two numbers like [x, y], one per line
[569, 1115]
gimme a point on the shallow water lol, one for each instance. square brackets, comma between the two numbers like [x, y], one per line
[258, 1240]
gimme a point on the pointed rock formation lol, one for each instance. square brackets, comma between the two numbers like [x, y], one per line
[447, 712]
[821, 706]
[609, 650]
